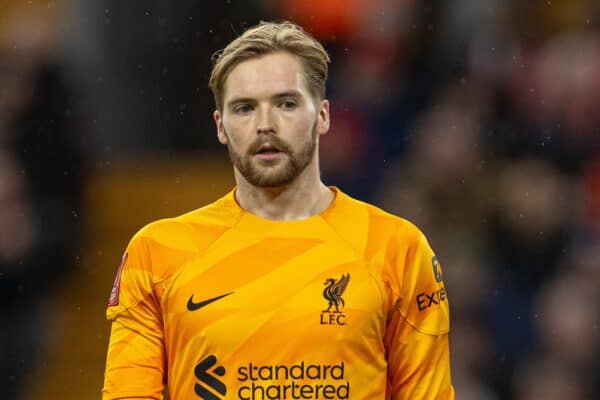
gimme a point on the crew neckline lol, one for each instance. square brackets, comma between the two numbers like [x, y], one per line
[249, 221]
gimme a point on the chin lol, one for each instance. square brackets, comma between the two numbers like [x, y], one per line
[271, 179]
[274, 182]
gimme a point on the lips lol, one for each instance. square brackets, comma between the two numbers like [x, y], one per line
[268, 152]
[268, 148]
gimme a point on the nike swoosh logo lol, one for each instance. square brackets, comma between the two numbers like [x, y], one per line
[191, 306]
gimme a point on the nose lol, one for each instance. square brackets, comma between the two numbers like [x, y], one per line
[265, 121]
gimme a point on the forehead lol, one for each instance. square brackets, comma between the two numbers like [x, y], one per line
[264, 76]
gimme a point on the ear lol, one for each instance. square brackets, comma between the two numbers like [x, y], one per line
[323, 117]
[220, 129]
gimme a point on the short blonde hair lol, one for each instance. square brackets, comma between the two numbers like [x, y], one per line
[270, 37]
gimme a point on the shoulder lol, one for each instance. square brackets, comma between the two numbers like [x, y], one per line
[190, 227]
[383, 223]
[162, 246]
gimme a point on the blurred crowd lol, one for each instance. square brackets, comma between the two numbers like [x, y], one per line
[476, 119]
[41, 171]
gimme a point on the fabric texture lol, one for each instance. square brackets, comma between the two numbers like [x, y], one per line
[222, 304]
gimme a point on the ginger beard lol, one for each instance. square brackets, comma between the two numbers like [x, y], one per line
[276, 173]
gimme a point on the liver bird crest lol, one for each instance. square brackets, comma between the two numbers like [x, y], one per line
[334, 290]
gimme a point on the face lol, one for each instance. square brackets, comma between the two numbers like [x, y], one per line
[270, 122]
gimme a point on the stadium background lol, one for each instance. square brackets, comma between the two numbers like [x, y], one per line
[476, 119]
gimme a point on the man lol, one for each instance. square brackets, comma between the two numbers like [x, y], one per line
[284, 288]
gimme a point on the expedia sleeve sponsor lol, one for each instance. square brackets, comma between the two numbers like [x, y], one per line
[424, 297]
[426, 300]
[416, 338]
[296, 381]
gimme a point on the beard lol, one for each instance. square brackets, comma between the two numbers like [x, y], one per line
[277, 173]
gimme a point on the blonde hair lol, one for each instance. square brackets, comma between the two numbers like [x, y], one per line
[270, 37]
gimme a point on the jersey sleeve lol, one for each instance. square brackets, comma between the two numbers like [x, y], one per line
[135, 366]
[416, 337]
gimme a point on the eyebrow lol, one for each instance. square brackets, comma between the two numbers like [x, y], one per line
[288, 93]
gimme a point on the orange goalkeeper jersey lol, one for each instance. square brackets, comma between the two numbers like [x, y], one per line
[222, 304]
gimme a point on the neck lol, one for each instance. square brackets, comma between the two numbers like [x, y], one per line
[304, 197]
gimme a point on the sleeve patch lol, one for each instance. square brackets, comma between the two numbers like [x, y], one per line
[437, 269]
[114, 294]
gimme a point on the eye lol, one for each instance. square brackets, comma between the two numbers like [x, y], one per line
[242, 109]
[288, 104]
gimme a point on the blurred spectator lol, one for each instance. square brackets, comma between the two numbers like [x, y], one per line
[565, 363]
[547, 379]
[533, 230]
[40, 182]
[442, 183]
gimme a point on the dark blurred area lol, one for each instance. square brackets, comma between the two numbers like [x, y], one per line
[41, 177]
[477, 120]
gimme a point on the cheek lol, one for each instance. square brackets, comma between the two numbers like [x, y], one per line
[234, 132]
[302, 125]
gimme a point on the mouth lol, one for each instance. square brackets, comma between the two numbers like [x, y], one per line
[268, 152]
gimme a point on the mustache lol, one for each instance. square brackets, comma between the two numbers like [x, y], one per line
[272, 140]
